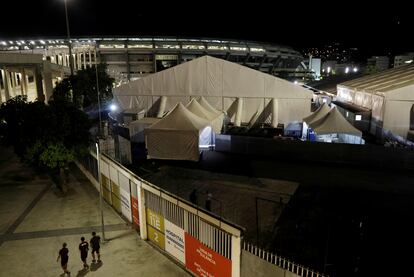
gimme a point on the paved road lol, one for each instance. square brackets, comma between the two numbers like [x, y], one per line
[36, 218]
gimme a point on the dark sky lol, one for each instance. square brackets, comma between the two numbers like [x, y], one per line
[376, 29]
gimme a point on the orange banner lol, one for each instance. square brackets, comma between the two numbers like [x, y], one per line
[203, 261]
[135, 215]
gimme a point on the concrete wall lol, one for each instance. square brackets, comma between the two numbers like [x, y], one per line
[361, 155]
[254, 266]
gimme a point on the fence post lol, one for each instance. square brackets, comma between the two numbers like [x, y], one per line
[235, 256]
[141, 212]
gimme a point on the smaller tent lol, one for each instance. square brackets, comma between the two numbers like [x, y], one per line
[136, 128]
[333, 127]
[318, 114]
[178, 136]
[215, 118]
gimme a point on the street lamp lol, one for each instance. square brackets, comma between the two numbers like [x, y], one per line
[100, 187]
[69, 43]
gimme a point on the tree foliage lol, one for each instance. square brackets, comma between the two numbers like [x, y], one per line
[82, 87]
[48, 136]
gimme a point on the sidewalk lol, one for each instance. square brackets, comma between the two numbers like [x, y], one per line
[35, 219]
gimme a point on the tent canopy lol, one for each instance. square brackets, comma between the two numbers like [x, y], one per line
[333, 122]
[215, 119]
[180, 118]
[318, 114]
[178, 136]
[220, 82]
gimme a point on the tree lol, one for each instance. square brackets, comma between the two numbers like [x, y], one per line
[82, 87]
[47, 136]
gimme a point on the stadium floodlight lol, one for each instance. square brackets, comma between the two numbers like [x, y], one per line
[113, 107]
[346, 70]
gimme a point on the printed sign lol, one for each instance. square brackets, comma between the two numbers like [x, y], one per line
[175, 241]
[203, 261]
[126, 204]
[135, 214]
[156, 237]
[155, 227]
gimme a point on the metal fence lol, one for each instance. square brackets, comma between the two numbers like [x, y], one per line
[281, 262]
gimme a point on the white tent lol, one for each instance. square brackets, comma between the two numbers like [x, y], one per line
[333, 127]
[178, 136]
[137, 127]
[388, 94]
[215, 119]
[221, 83]
[318, 114]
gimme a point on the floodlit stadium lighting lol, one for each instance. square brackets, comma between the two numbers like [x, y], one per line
[42, 42]
[410, 61]
[295, 82]
[346, 70]
[355, 69]
[328, 69]
[4, 43]
[113, 107]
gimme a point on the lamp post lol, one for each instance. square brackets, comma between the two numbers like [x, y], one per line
[100, 187]
[69, 43]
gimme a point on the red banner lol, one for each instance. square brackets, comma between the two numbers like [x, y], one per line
[203, 261]
[135, 216]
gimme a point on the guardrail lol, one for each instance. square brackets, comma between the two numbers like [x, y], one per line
[281, 262]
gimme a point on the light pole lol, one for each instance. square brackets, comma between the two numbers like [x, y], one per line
[99, 100]
[69, 43]
[100, 187]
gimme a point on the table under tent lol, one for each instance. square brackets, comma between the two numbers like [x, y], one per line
[180, 135]
[332, 127]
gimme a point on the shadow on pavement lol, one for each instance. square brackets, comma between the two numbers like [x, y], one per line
[82, 272]
[95, 266]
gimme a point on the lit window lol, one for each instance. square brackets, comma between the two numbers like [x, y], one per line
[358, 117]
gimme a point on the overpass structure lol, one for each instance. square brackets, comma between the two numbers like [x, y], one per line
[28, 75]
[129, 58]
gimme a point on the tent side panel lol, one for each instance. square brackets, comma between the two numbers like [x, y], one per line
[174, 144]
[291, 110]
[397, 117]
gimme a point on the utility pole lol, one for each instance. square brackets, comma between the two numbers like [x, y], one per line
[69, 42]
[100, 187]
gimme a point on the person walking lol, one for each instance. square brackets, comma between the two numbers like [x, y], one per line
[83, 249]
[64, 258]
[95, 244]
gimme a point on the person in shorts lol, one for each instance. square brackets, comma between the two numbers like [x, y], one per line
[83, 249]
[64, 258]
[95, 244]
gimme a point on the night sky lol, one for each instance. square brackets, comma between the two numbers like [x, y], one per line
[379, 29]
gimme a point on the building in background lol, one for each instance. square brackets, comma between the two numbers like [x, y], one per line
[404, 59]
[378, 63]
[134, 57]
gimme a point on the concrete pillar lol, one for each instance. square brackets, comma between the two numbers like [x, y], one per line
[141, 212]
[6, 82]
[275, 112]
[24, 82]
[79, 60]
[239, 112]
[39, 83]
[90, 58]
[47, 80]
[21, 84]
[84, 60]
[94, 58]
[74, 61]
[12, 84]
[235, 256]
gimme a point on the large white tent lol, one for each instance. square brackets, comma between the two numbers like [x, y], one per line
[388, 94]
[240, 91]
[178, 136]
[333, 127]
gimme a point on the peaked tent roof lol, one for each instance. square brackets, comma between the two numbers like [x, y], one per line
[209, 76]
[199, 110]
[318, 114]
[180, 118]
[203, 102]
[333, 122]
[384, 81]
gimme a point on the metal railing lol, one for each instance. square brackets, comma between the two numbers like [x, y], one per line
[281, 262]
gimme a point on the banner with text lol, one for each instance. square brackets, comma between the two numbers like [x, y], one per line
[175, 241]
[203, 261]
